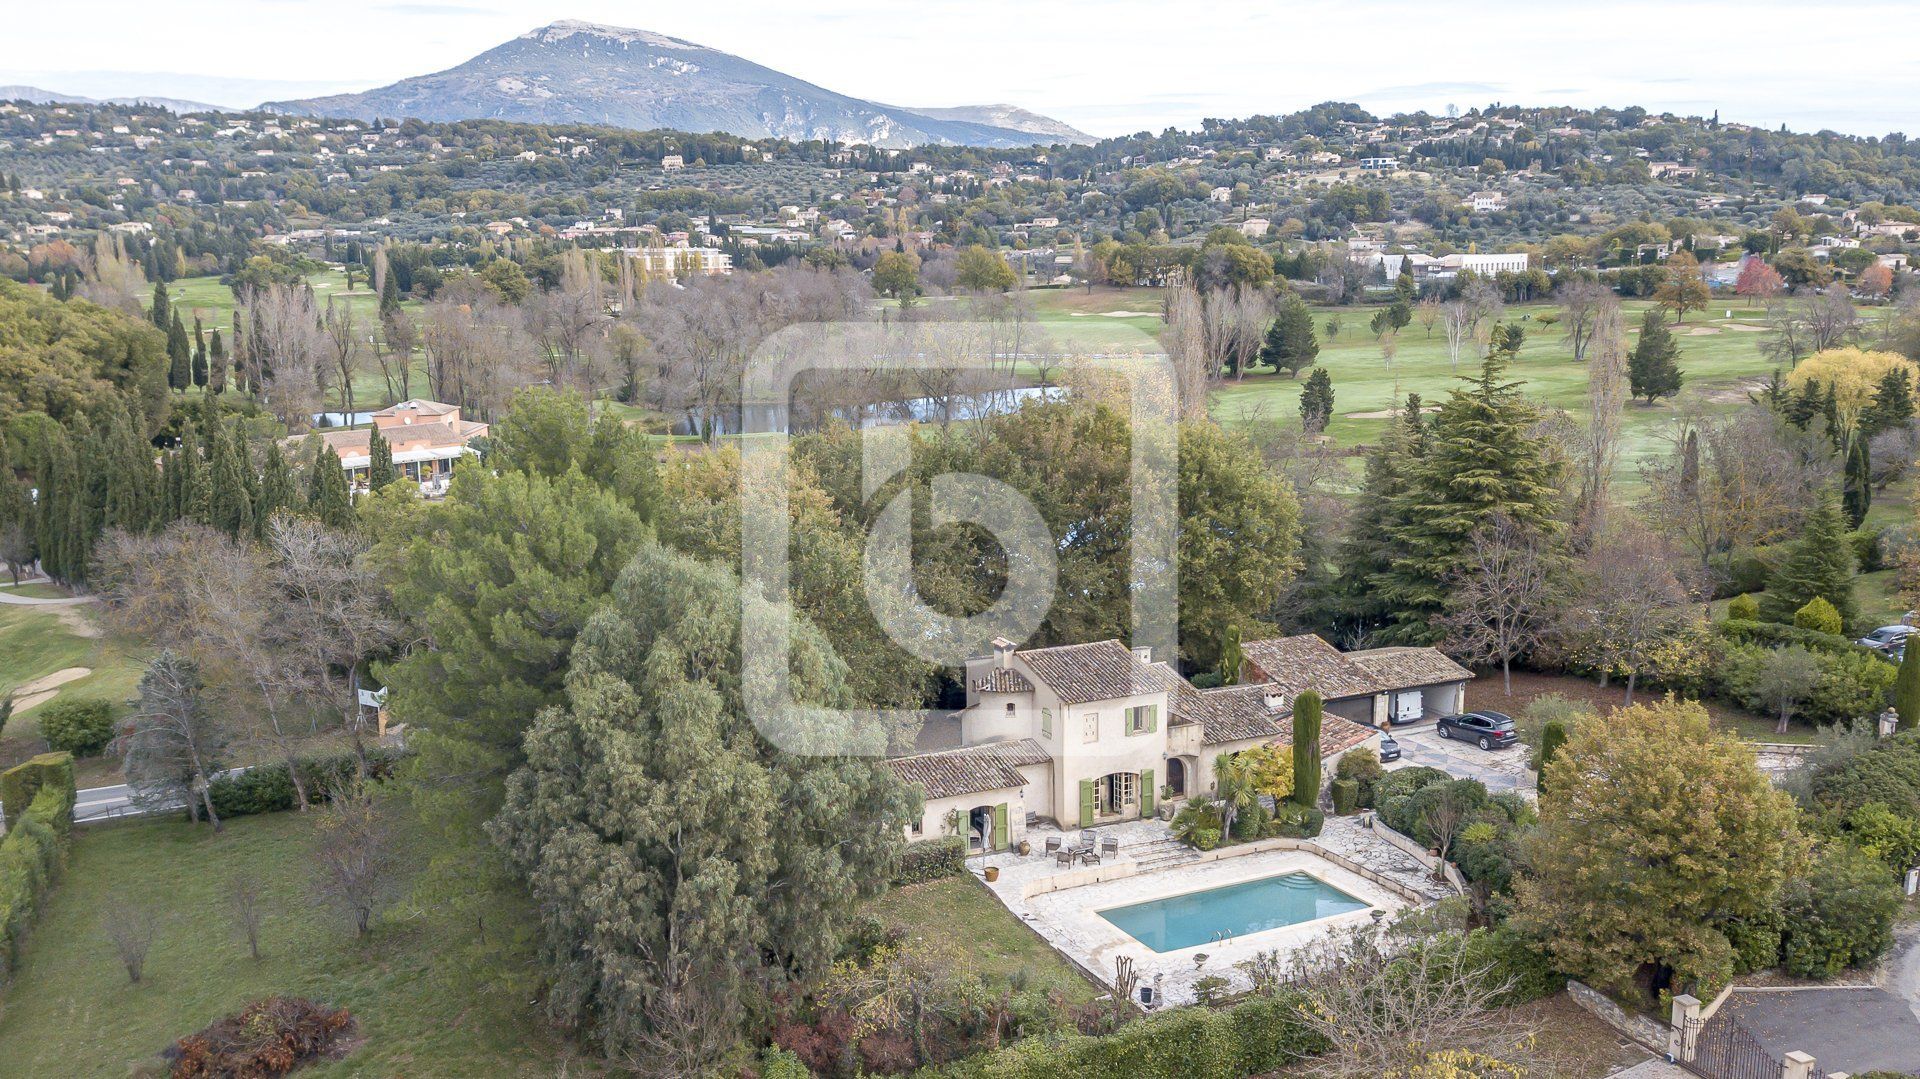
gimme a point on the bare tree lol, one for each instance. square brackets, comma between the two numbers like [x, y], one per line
[569, 323]
[287, 352]
[1458, 319]
[1401, 1007]
[1442, 817]
[1831, 319]
[112, 279]
[1581, 301]
[1428, 313]
[1631, 600]
[356, 862]
[130, 927]
[332, 612]
[1186, 340]
[343, 348]
[174, 746]
[398, 338]
[1607, 392]
[244, 902]
[1504, 596]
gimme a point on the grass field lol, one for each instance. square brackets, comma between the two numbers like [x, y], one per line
[1719, 354]
[72, 1012]
[38, 641]
[1001, 947]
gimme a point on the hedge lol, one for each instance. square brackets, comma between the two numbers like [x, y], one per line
[1257, 1036]
[268, 788]
[931, 859]
[1779, 634]
[34, 848]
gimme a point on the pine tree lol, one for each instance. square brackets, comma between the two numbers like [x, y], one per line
[216, 363]
[1906, 688]
[1818, 563]
[1483, 457]
[327, 497]
[1856, 483]
[380, 470]
[162, 312]
[1290, 344]
[1316, 401]
[1653, 368]
[180, 352]
[1892, 404]
[1369, 549]
[1306, 749]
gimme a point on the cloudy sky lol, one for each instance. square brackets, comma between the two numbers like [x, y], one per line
[1108, 66]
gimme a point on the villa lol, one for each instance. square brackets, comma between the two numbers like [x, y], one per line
[427, 437]
[1095, 734]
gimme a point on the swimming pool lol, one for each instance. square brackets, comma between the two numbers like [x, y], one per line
[1233, 910]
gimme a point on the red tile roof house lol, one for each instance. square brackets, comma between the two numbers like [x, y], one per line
[427, 437]
[1371, 686]
[1091, 734]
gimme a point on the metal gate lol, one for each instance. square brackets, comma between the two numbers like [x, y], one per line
[1723, 1049]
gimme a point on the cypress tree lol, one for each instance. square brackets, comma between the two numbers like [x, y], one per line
[389, 294]
[327, 497]
[191, 496]
[52, 475]
[216, 364]
[1552, 737]
[1306, 749]
[1906, 688]
[15, 509]
[128, 466]
[229, 508]
[380, 470]
[180, 352]
[1856, 483]
[1819, 562]
[199, 354]
[162, 312]
[1653, 368]
[277, 492]
[1316, 401]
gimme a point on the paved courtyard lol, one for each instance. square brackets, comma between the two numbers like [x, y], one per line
[1846, 1030]
[1063, 905]
[1500, 769]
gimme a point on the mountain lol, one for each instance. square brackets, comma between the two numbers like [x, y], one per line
[1016, 118]
[578, 72]
[38, 96]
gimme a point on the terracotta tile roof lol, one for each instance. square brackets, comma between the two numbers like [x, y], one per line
[1403, 668]
[1305, 662]
[418, 406]
[992, 766]
[412, 437]
[1101, 671]
[1240, 713]
[1002, 680]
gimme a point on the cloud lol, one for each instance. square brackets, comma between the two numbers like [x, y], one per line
[430, 10]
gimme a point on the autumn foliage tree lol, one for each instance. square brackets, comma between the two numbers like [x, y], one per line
[1657, 834]
[1758, 281]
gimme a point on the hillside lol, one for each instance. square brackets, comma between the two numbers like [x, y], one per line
[576, 72]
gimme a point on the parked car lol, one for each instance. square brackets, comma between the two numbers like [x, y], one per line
[1488, 730]
[1389, 749]
[1886, 637]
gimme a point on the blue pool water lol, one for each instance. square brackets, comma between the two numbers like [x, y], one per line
[1182, 921]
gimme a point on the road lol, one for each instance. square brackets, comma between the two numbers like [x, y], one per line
[106, 803]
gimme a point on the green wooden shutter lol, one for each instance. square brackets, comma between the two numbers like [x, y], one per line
[1146, 793]
[1153, 718]
[1086, 803]
[1001, 839]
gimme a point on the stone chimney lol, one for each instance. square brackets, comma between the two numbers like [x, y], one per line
[1002, 653]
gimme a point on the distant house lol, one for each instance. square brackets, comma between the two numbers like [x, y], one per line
[1487, 201]
[672, 162]
[1379, 164]
[1672, 170]
[426, 437]
[1255, 227]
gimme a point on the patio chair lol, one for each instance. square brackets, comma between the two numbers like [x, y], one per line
[1053, 843]
[1110, 845]
[1063, 858]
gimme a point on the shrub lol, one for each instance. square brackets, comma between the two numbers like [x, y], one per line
[80, 727]
[1393, 792]
[1744, 608]
[931, 859]
[1886, 835]
[1749, 569]
[1410, 814]
[1887, 772]
[782, 1064]
[1838, 915]
[1869, 551]
[1756, 942]
[267, 788]
[1296, 821]
[268, 1037]
[1346, 797]
[1852, 684]
[1775, 634]
[1508, 956]
[1819, 616]
[1195, 819]
[1363, 767]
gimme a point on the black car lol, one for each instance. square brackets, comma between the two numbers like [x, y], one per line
[1389, 749]
[1488, 730]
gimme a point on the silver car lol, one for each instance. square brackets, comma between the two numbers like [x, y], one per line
[1886, 638]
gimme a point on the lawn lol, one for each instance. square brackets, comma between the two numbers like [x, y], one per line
[1719, 354]
[38, 641]
[1001, 947]
[71, 1011]
[1486, 691]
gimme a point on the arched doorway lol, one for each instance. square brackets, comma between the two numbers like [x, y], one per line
[1176, 777]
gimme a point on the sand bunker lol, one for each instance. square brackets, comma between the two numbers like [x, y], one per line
[1384, 414]
[1744, 328]
[1703, 331]
[41, 690]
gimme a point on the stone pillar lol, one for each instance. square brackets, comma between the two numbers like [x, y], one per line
[1685, 1027]
[1889, 722]
[1798, 1065]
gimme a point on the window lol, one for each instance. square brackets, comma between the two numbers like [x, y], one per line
[918, 826]
[1143, 719]
[1046, 723]
[1125, 789]
[1009, 707]
[1090, 727]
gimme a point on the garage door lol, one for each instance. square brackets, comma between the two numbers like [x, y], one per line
[1358, 709]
